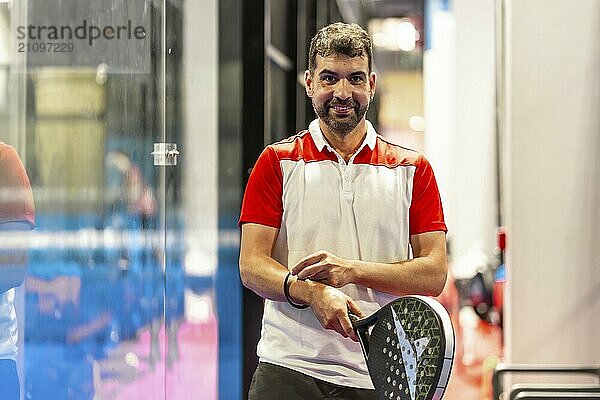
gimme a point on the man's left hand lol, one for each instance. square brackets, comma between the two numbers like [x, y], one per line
[326, 268]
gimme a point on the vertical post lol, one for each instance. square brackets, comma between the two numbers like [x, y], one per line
[253, 128]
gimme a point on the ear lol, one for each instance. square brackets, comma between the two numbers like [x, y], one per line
[308, 83]
[372, 84]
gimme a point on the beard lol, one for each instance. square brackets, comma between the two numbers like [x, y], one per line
[341, 125]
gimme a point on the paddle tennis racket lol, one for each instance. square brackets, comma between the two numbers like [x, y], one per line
[409, 348]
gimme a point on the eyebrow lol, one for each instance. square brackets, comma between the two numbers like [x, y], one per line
[356, 73]
[327, 71]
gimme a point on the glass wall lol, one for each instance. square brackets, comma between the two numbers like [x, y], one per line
[108, 260]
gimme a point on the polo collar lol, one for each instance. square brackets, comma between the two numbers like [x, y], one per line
[320, 142]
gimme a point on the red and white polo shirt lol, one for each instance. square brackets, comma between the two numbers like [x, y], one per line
[364, 209]
[16, 205]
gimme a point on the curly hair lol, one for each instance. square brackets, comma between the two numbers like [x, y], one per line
[340, 39]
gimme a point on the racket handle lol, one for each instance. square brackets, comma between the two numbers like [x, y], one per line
[361, 333]
[353, 317]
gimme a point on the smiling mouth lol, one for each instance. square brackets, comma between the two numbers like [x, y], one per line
[342, 109]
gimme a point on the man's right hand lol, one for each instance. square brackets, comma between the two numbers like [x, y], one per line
[331, 307]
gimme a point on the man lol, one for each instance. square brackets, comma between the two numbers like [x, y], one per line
[16, 214]
[327, 219]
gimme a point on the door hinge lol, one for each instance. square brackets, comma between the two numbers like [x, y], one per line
[165, 154]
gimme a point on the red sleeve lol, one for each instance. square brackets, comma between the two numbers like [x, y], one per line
[16, 198]
[263, 202]
[426, 213]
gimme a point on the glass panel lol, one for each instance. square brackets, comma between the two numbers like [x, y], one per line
[191, 200]
[280, 29]
[84, 89]
[278, 106]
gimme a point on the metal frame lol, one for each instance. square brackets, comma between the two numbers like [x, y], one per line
[557, 395]
[541, 388]
[502, 369]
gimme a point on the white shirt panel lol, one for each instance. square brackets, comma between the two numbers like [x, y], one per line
[356, 211]
[8, 325]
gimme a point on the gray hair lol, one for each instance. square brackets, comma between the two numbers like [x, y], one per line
[340, 39]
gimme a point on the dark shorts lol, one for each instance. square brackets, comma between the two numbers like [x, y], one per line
[272, 382]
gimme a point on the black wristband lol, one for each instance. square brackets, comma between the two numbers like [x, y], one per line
[286, 292]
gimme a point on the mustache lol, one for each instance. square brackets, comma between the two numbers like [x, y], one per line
[335, 103]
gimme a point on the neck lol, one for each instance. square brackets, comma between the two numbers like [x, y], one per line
[345, 145]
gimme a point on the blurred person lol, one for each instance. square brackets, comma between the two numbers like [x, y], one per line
[17, 213]
[327, 219]
[131, 186]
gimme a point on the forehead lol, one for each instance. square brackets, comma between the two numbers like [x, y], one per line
[342, 63]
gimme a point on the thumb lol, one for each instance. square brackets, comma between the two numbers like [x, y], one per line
[354, 309]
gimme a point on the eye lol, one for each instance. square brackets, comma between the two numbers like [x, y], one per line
[328, 78]
[357, 79]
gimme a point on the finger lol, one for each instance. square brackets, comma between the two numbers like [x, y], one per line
[312, 271]
[347, 328]
[321, 275]
[339, 328]
[334, 325]
[306, 261]
[355, 309]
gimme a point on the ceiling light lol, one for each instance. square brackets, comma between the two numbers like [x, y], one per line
[394, 34]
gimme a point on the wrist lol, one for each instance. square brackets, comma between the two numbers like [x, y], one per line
[286, 292]
[303, 291]
[358, 272]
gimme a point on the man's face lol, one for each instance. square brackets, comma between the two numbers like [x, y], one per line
[341, 89]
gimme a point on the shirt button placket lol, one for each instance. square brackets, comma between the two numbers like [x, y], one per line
[347, 186]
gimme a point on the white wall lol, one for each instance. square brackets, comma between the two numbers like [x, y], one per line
[200, 151]
[552, 186]
[460, 136]
[439, 86]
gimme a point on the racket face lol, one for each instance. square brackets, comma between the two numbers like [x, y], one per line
[411, 349]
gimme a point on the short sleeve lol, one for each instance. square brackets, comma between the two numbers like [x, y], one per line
[16, 197]
[263, 202]
[426, 213]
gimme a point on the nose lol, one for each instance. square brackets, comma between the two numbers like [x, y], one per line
[343, 90]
